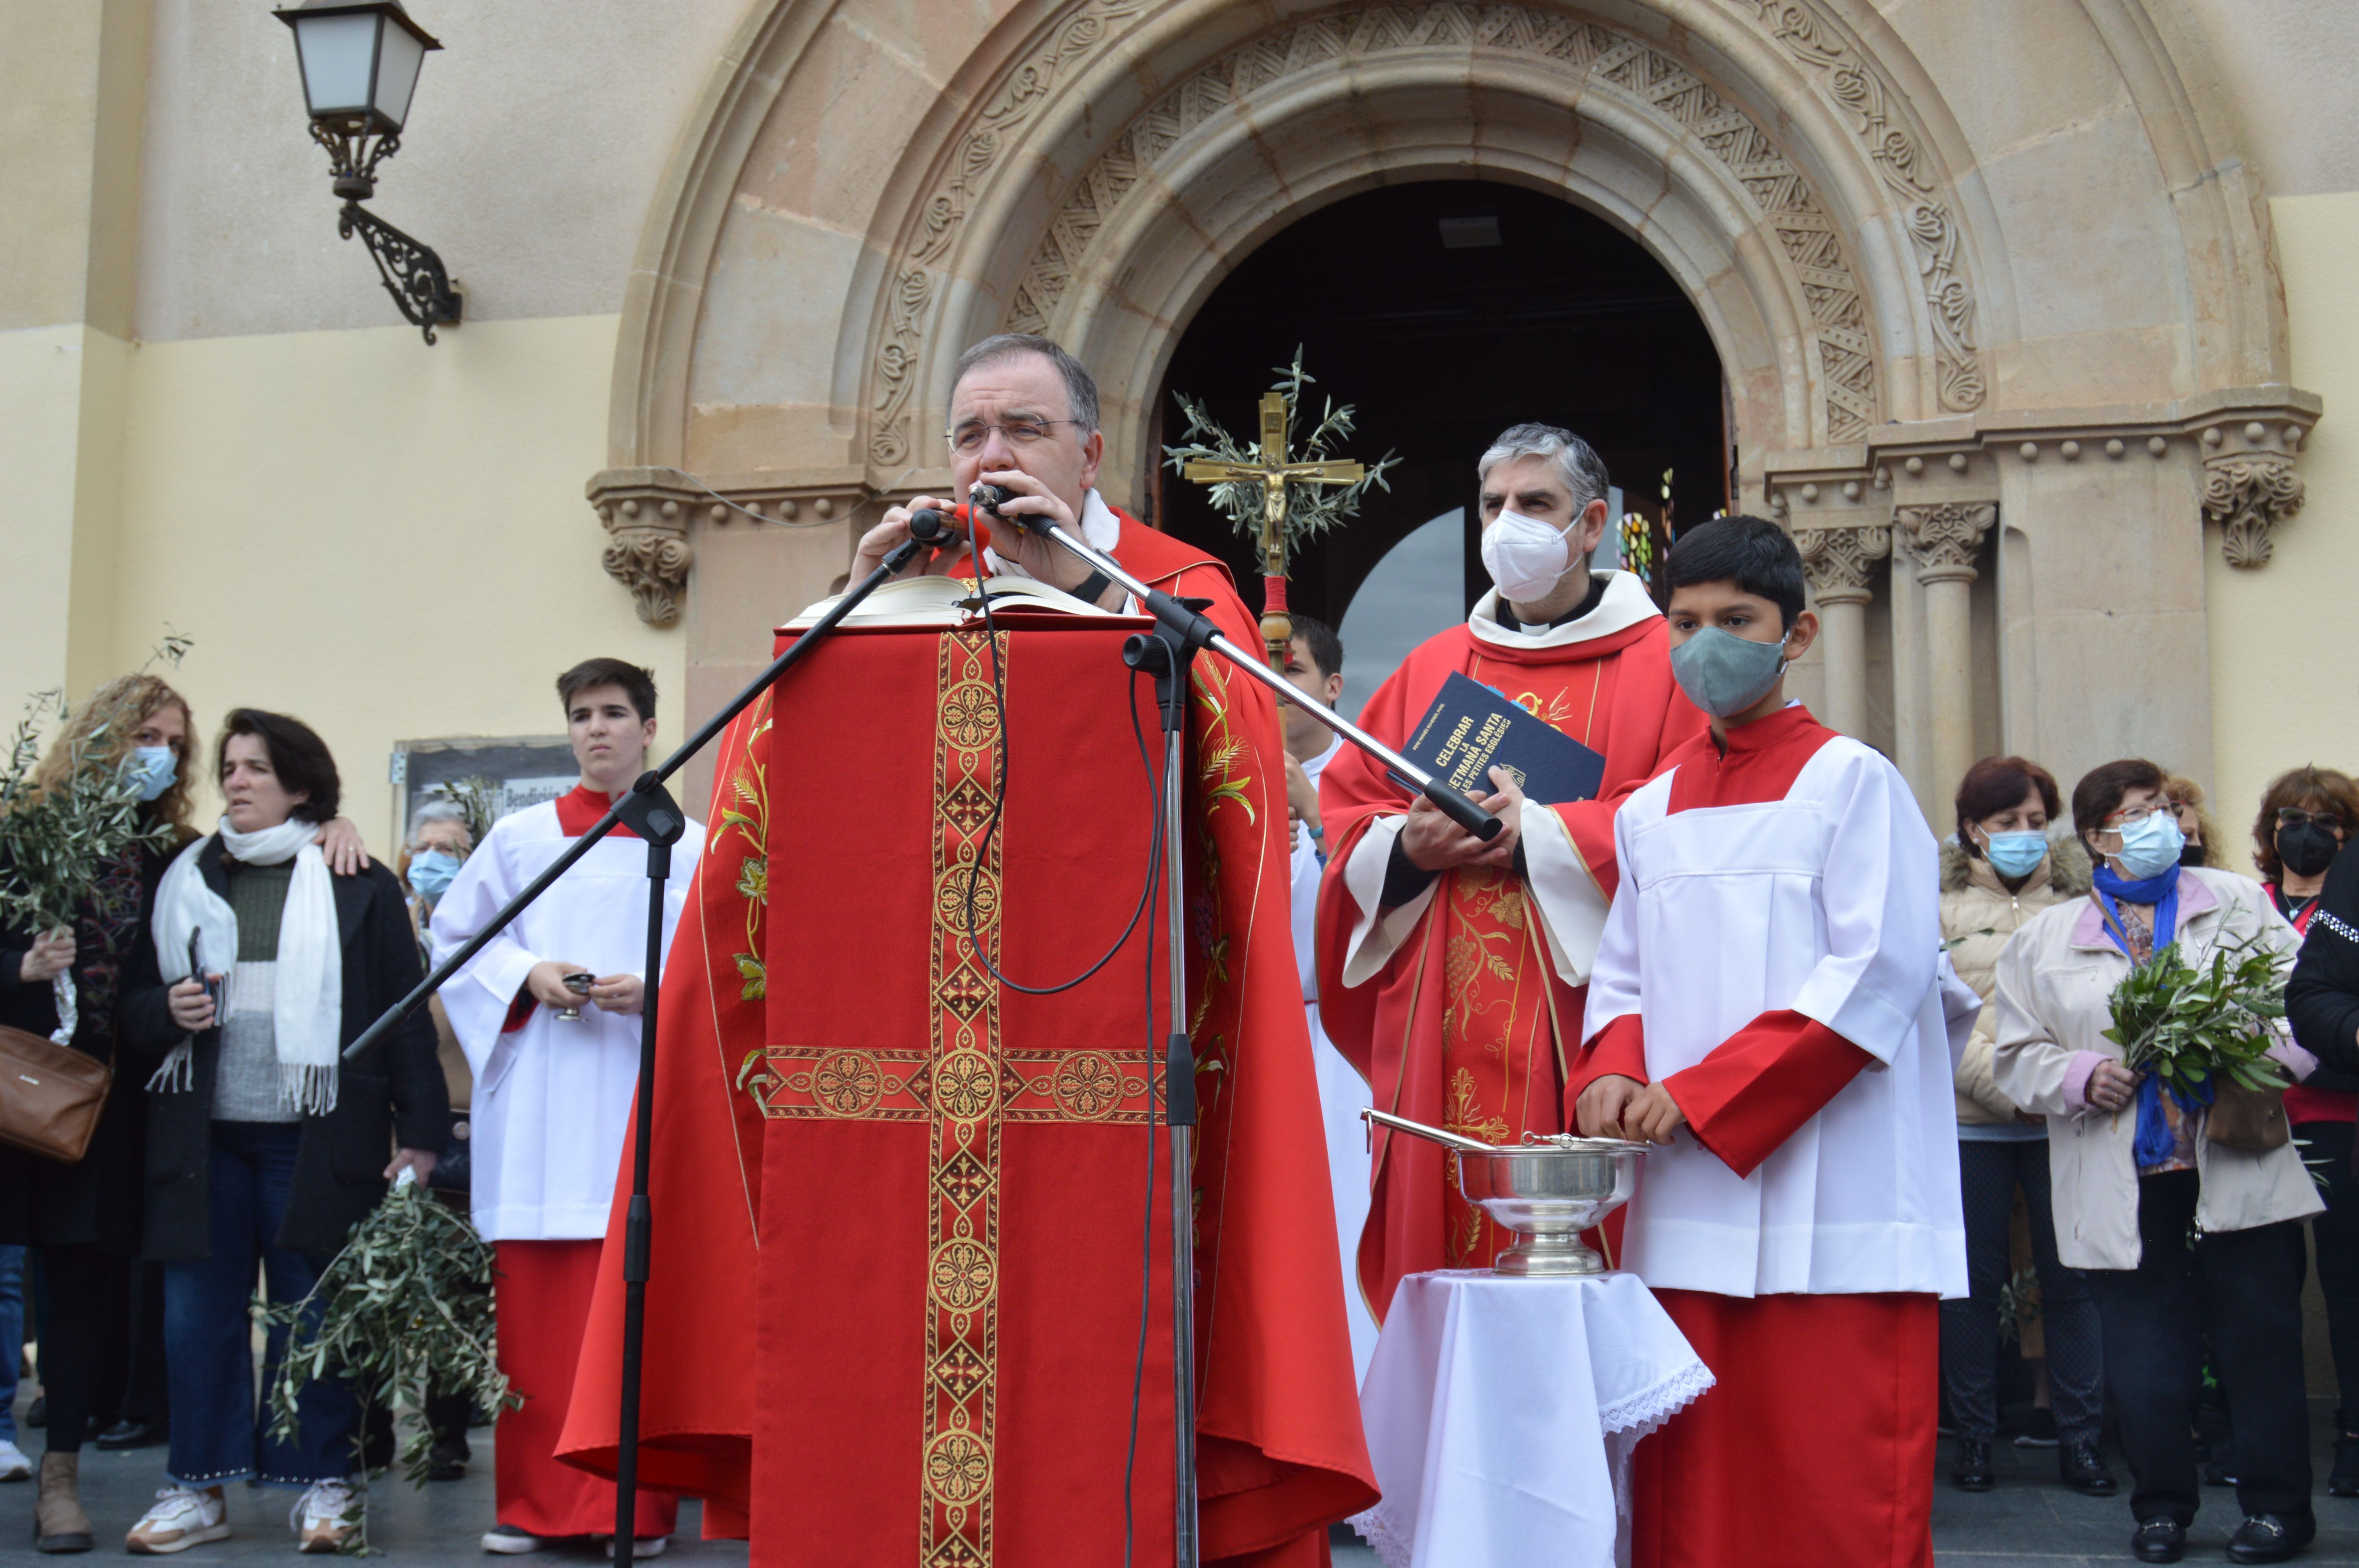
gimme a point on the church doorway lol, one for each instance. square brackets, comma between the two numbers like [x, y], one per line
[1446, 312]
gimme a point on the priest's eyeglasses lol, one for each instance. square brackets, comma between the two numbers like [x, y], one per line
[970, 437]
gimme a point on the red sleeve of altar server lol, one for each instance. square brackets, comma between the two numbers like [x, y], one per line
[1762, 1084]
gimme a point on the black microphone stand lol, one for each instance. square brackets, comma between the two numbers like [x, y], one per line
[1169, 654]
[649, 810]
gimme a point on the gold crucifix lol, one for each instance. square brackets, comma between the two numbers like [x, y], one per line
[1273, 473]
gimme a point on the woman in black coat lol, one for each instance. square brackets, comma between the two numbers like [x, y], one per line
[85, 1216]
[263, 1147]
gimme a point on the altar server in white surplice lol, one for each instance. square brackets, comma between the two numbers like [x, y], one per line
[1768, 1008]
[1314, 663]
[555, 1073]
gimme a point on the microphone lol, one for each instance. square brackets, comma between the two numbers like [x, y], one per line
[940, 528]
[987, 499]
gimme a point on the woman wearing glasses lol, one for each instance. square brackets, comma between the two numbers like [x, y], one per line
[2133, 1174]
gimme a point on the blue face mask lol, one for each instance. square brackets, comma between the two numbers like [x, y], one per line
[430, 872]
[2015, 854]
[151, 770]
[2150, 847]
[1726, 674]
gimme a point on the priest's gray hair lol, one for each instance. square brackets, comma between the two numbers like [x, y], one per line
[1575, 460]
[1080, 387]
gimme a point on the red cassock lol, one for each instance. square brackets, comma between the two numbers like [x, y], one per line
[894, 1312]
[1468, 1021]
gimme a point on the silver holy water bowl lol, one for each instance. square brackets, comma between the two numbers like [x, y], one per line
[1547, 1190]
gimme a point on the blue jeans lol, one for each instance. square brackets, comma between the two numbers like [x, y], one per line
[219, 1433]
[12, 1335]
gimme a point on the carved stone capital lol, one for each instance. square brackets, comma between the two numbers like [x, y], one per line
[1944, 539]
[647, 551]
[1839, 561]
[2249, 495]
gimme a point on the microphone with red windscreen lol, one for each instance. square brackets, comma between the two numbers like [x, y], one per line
[943, 527]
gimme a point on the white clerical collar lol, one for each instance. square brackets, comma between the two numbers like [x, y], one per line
[1100, 531]
[1623, 605]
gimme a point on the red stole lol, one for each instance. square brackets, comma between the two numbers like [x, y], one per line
[1467, 1025]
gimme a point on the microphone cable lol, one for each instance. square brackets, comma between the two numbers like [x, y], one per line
[999, 806]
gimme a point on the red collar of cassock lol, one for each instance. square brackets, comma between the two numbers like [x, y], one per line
[1761, 763]
[579, 809]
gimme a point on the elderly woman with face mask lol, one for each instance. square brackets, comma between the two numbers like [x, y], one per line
[2135, 1173]
[264, 1146]
[2003, 869]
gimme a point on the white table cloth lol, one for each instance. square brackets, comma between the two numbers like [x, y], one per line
[1501, 1414]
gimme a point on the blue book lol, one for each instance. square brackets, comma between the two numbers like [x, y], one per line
[1472, 729]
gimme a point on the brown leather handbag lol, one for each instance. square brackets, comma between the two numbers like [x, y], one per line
[2251, 1121]
[50, 1095]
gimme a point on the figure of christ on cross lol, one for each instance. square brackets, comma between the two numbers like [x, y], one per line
[1273, 473]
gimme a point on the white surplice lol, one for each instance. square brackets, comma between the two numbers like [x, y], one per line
[1342, 1094]
[1824, 902]
[552, 1099]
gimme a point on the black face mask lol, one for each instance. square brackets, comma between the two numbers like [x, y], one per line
[2306, 848]
[2192, 854]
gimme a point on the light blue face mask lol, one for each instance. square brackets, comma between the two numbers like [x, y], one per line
[430, 872]
[2015, 854]
[1725, 674]
[151, 770]
[2150, 847]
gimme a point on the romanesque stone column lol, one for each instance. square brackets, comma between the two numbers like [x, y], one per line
[1944, 540]
[1838, 562]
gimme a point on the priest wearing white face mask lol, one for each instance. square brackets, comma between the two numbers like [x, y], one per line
[1410, 898]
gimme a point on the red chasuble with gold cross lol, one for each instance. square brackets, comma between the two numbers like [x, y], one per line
[901, 1233]
[1461, 1005]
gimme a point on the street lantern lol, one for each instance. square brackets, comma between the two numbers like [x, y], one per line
[360, 61]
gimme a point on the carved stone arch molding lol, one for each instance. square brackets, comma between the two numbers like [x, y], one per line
[1093, 167]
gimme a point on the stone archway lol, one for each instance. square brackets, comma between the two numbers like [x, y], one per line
[1909, 367]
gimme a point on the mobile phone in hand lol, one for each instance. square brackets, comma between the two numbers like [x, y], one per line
[197, 972]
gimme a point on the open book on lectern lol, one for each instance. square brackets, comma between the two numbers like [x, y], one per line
[948, 601]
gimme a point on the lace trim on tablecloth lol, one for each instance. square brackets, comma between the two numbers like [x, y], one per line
[1390, 1546]
[1645, 1410]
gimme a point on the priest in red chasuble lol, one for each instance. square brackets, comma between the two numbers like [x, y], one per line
[895, 1296]
[1451, 972]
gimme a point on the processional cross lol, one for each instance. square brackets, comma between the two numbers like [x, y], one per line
[1273, 473]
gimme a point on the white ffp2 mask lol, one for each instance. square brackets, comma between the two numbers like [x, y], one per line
[1524, 556]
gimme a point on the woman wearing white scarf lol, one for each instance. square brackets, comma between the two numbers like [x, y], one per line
[265, 1145]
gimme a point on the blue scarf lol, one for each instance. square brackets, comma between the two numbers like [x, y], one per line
[2154, 1143]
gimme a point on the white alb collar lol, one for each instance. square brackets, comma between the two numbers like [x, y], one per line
[1624, 605]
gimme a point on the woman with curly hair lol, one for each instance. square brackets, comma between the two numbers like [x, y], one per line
[85, 1216]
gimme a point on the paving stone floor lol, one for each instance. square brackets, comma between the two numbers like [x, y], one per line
[2028, 1522]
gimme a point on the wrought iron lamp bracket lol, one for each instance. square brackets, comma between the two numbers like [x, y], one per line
[408, 267]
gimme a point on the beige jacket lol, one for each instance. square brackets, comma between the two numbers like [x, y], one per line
[1978, 914]
[2055, 982]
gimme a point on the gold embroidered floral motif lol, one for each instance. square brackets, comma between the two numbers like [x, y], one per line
[970, 715]
[1087, 1086]
[962, 1275]
[958, 1468]
[847, 1083]
[965, 1086]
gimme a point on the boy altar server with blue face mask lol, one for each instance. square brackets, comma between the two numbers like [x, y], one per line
[1769, 1008]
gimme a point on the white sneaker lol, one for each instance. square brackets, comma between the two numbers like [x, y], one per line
[13, 1465]
[325, 1517]
[507, 1541]
[181, 1517]
[642, 1546]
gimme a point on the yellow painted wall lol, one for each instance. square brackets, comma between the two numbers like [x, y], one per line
[387, 540]
[2281, 691]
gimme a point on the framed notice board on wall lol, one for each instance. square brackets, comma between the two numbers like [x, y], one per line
[522, 771]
